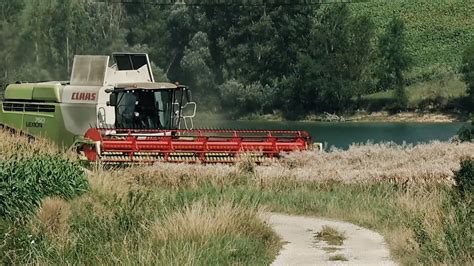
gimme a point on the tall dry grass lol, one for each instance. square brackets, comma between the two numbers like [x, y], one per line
[191, 214]
[430, 163]
[435, 162]
[202, 219]
[53, 219]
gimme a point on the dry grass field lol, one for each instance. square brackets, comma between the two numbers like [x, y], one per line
[430, 163]
[184, 214]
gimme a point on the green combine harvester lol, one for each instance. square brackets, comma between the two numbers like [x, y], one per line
[117, 113]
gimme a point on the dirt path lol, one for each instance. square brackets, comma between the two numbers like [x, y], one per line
[301, 247]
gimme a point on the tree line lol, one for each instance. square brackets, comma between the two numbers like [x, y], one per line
[238, 59]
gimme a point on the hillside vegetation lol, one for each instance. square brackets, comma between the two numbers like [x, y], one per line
[437, 30]
[444, 92]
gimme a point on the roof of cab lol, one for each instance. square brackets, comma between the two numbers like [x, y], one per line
[148, 85]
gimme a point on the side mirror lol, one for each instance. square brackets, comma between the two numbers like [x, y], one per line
[189, 97]
[113, 100]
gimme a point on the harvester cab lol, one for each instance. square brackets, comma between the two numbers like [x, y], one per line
[133, 98]
[152, 106]
[143, 104]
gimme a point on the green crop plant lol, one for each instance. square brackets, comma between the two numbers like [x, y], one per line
[25, 182]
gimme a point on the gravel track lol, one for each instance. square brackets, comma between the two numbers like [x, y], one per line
[361, 246]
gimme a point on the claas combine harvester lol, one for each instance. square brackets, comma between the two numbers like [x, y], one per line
[117, 113]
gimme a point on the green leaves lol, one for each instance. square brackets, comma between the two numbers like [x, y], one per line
[465, 179]
[197, 63]
[240, 98]
[312, 58]
[467, 70]
[394, 61]
[336, 65]
[25, 182]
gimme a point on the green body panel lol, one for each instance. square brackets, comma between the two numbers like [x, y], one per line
[48, 93]
[34, 92]
[34, 109]
[48, 125]
[19, 92]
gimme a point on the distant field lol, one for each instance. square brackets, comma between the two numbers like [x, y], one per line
[438, 30]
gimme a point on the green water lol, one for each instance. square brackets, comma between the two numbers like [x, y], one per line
[341, 135]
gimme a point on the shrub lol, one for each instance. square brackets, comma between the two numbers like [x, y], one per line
[465, 178]
[465, 134]
[239, 99]
[25, 182]
[467, 69]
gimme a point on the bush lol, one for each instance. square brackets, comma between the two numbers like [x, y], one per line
[465, 133]
[465, 178]
[25, 182]
[467, 69]
[239, 99]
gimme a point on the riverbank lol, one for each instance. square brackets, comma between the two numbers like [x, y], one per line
[418, 117]
[382, 116]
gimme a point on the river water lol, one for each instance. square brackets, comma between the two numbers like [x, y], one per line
[341, 135]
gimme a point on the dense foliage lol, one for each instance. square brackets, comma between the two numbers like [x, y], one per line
[467, 70]
[394, 60]
[24, 183]
[243, 59]
[465, 179]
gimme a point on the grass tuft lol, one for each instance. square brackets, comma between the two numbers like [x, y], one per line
[330, 235]
[202, 219]
[338, 257]
[53, 218]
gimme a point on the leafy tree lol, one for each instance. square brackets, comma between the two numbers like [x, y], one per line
[258, 47]
[298, 59]
[52, 32]
[196, 64]
[466, 133]
[394, 60]
[261, 46]
[467, 70]
[362, 31]
[334, 67]
[8, 31]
